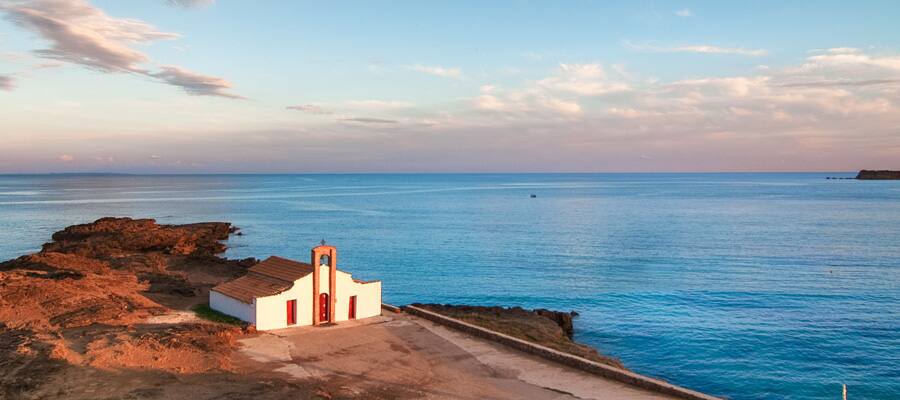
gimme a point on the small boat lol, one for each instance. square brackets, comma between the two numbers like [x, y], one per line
[533, 195]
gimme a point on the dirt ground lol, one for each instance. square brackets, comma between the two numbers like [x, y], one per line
[414, 358]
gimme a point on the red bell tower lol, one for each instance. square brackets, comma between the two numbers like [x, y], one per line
[324, 255]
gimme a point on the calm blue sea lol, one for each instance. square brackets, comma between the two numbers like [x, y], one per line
[750, 286]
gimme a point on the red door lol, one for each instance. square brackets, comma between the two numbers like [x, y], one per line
[323, 307]
[352, 307]
[291, 312]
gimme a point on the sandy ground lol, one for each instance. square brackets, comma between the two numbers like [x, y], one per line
[428, 360]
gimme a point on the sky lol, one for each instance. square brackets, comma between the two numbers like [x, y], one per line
[218, 86]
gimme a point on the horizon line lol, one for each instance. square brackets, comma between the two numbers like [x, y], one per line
[95, 173]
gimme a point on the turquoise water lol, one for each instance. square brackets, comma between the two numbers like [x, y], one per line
[751, 286]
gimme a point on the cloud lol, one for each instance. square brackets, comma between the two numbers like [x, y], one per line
[48, 65]
[556, 96]
[11, 57]
[707, 49]
[379, 104]
[684, 12]
[531, 102]
[489, 102]
[190, 3]
[771, 119]
[852, 58]
[827, 95]
[736, 86]
[834, 109]
[311, 108]
[630, 113]
[839, 83]
[366, 120]
[195, 84]
[82, 34]
[444, 72]
[66, 157]
[694, 48]
[805, 115]
[353, 107]
[843, 50]
[155, 157]
[7, 82]
[564, 107]
[583, 80]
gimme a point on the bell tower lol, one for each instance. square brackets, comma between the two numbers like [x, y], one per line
[324, 255]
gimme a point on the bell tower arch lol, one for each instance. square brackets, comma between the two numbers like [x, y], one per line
[324, 255]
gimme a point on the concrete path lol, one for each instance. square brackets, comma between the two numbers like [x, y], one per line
[414, 358]
[538, 371]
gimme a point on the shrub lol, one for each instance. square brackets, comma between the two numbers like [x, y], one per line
[203, 311]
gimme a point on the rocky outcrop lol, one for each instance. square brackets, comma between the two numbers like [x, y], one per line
[878, 175]
[549, 328]
[84, 299]
[45, 292]
[107, 237]
[563, 319]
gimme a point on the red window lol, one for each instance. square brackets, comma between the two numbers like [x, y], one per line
[291, 312]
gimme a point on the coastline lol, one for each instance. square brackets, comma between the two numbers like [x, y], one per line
[125, 290]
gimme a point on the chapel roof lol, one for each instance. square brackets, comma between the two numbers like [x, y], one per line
[270, 277]
[282, 268]
[252, 285]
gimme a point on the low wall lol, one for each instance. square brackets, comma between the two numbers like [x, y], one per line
[391, 308]
[570, 360]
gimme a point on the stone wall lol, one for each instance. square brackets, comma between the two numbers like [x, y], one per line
[583, 364]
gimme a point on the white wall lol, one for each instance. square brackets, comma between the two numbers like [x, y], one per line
[271, 311]
[232, 307]
[368, 302]
[368, 296]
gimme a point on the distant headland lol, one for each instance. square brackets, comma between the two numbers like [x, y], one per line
[878, 175]
[871, 175]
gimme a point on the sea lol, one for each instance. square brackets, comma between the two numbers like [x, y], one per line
[741, 285]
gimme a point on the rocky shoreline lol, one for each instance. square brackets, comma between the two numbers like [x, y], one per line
[548, 328]
[87, 316]
[104, 311]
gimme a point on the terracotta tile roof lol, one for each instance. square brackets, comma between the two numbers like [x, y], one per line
[252, 285]
[270, 277]
[282, 268]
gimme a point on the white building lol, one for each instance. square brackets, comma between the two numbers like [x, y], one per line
[280, 293]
